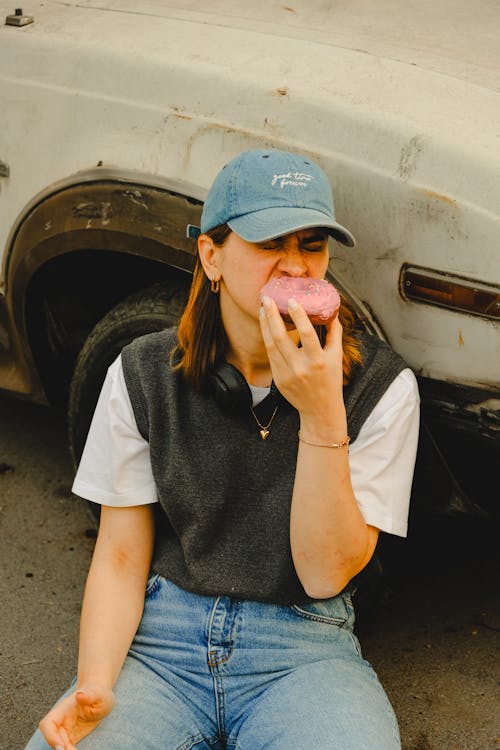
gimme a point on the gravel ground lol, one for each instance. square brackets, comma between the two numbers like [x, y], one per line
[434, 641]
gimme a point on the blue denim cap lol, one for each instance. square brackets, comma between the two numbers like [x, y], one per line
[266, 193]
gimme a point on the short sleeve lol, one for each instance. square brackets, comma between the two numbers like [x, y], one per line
[115, 468]
[382, 459]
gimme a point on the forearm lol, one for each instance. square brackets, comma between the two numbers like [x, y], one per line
[112, 607]
[329, 538]
[330, 541]
[111, 612]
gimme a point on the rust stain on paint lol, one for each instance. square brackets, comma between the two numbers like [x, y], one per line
[461, 341]
[229, 129]
[440, 197]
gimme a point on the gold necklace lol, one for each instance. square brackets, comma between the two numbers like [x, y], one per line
[264, 429]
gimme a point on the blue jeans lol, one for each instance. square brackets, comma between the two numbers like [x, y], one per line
[214, 673]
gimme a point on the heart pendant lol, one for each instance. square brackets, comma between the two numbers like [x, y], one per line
[264, 433]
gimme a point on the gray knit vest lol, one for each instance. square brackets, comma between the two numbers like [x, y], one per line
[225, 494]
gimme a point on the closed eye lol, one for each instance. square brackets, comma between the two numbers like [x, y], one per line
[270, 245]
[313, 247]
[314, 243]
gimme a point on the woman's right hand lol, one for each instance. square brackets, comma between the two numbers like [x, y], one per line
[76, 716]
[112, 608]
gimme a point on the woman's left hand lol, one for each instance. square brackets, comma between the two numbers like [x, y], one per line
[310, 377]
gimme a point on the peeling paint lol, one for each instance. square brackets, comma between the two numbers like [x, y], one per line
[47, 226]
[93, 211]
[86, 210]
[281, 91]
[409, 157]
[137, 197]
[106, 213]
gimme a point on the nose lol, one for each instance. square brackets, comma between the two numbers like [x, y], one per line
[292, 261]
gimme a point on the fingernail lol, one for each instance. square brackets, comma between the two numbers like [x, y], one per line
[59, 747]
[292, 304]
[262, 313]
[266, 301]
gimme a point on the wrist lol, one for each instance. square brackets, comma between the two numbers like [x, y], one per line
[344, 443]
[324, 428]
[100, 684]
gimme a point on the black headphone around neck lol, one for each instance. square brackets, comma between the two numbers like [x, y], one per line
[231, 391]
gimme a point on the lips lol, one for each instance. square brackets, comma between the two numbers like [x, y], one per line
[318, 297]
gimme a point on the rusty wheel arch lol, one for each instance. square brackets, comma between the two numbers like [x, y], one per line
[93, 232]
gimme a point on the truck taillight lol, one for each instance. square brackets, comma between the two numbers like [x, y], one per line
[453, 292]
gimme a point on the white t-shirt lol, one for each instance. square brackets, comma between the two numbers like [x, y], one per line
[115, 468]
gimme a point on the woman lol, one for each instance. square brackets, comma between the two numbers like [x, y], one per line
[220, 456]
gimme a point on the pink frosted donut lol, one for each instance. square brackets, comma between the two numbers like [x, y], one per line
[318, 297]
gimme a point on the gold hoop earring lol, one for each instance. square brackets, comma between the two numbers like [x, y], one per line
[215, 286]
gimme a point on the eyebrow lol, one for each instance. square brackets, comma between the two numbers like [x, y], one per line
[318, 236]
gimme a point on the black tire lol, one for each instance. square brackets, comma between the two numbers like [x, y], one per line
[148, 310]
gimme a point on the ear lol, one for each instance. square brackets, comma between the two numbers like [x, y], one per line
[208, 256]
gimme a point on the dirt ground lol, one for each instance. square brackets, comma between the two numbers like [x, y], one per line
[434, 641]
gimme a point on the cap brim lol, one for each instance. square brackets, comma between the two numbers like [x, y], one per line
[269, 223]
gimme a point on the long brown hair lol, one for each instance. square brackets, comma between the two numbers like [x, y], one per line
[202, 341]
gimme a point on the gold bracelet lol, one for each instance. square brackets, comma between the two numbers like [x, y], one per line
[326, 445]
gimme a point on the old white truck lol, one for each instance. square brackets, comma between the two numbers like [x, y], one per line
[116, 115]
